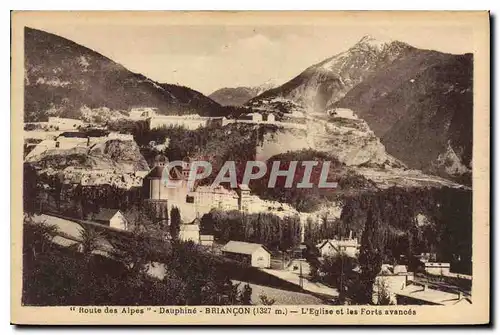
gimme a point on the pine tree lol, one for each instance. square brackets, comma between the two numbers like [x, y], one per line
[371, 253]
[245, 297]
[175, 222]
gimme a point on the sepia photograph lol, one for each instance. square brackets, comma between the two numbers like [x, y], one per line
[250, 166]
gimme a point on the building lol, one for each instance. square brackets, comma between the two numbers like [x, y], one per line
[207, 240]
[60, 123]
[252, 254]
[142, 113]
[164, 191]
[76, 139]
[112, 218]
[190, 232]
[437, 269]
[390, 280]
[423, 295]
[256, 117]
[426, 257]
[270, 118]
[343, 113]
[334, 247]
[190, 121]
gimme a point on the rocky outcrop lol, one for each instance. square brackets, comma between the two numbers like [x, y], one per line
[349, 140]
[112, 162]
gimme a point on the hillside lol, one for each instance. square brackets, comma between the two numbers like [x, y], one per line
[326, 82]
[418, 102]
[61, 77]
[238, 96]
[421, 108]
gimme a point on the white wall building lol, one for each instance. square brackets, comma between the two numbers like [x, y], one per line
[252, 254]
[334, 247]
[142, 113]
[112, 218]
[60, 123]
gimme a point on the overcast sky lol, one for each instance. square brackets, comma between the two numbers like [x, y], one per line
[207, 58]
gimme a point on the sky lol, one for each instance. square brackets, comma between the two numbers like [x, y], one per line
[209, 57]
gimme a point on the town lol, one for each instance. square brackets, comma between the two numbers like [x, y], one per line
[279, 253]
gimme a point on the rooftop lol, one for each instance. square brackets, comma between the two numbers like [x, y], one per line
[245, 248]
[105, 214]
[432, 296]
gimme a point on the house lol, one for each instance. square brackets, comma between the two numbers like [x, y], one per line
[189, 232]
[299, 251]
[270, 118]
[253, 117]
[112, 218]
[333, 247]
[252, 254]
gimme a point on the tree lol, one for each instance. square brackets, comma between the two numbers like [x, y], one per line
[37, 236]
[207, 224]
[245, 297]
[30, 189]
[266, 301]
[339, 271]
[371, 253]
[175, 222]
[382, 292]
[90, 239]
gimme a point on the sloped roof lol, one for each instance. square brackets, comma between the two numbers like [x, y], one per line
[338, 243]
[157, 173]
[245, 248]
[105, 214]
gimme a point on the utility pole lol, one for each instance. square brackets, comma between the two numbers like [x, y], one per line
[301, 280]
[341, 293]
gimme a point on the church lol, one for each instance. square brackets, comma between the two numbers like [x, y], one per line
[193, 202]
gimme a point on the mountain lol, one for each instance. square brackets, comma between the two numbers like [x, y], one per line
[326, 82]
[61, 77]
[238, 96]
[421, 108]
[418, 102]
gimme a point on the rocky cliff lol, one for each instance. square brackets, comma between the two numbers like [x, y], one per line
[418, 102]
[113, 162]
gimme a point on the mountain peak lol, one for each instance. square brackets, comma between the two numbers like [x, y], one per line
[373, 42]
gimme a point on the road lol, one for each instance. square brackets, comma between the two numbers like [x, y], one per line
[307, 285]
[70, 229]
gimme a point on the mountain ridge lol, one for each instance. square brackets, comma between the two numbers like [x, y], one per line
[238, 96]
[418, 102]
[62, 76]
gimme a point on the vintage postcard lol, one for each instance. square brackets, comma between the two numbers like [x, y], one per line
[257, 168]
